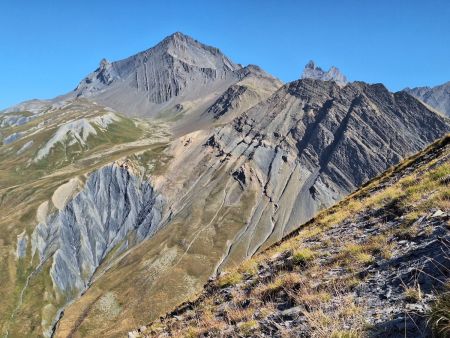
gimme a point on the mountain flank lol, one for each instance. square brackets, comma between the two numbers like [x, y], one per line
[249, 183]
[372, 265]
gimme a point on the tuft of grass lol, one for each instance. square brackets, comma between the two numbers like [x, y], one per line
[248, 327]
[354, 253]
[364, 258]
[380, 246]
[303, 256]
[439, 316]
[313, 298]
[413, 294]
[286, 281]
[345, 334]
[238, 314]
[229, 279]
[249, 267]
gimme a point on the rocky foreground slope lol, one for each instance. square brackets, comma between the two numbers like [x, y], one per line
[371, 265]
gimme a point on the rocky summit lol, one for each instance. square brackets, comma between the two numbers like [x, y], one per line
[177, 74]
[123, 197]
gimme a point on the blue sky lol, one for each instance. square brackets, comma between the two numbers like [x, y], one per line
[47, 47]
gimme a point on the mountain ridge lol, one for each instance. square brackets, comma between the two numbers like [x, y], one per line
[169, 75]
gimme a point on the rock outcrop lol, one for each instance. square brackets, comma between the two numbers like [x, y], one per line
[256, 86]
[313, 142]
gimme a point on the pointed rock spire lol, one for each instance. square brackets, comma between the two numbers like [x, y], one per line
[312, 71]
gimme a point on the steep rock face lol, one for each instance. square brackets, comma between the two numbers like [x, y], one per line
[115, 207]
[312, 71]
[437, 97]
[162, 71]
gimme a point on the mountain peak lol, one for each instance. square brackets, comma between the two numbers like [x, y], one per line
[178, 66]
[178, 37]
[311, 65]
[312, 71]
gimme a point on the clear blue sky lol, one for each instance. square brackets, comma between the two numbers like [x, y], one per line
[47, 47]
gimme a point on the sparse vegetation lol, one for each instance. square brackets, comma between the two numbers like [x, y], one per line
[248, 327]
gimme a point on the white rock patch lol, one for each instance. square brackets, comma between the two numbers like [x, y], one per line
[15, 120]
[22, 243]
[105, 120]
[42, 212]
[25, 147]
[74, 131]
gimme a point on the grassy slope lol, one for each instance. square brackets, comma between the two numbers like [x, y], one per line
[302, 267]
